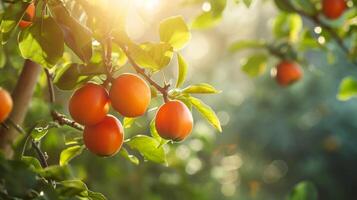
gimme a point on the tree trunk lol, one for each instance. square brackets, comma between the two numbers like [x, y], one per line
[22, 96]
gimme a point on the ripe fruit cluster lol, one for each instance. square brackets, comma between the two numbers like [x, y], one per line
[288, 72]
[129, 95]
[28, 17]
[5, 105]
[333, 9]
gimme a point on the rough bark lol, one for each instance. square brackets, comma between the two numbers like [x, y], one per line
[22, 96]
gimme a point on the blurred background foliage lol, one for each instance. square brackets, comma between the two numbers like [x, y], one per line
[273, 137]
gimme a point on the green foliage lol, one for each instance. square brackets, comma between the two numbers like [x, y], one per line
[255, 65]
[182, 70]
[206, 112]
[246, 44]
[11, 19]
[69, 153]
[42, 43]
[33, 184]
[212, 17]
[348, 89]
[287, 26]
[76, 36]
[148, 147]
[303, 191]
[201, 88]
[174, 31]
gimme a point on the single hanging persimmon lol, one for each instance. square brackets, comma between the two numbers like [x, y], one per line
[288, 72]
[174, 121]
[28, 17]
[5, 104]
[89, 104]
[104, 138]
[130, 95]
[333, 9]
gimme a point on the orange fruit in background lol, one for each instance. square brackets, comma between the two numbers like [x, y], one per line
[288, 72]
[333, 9]
[130, 95]
[174, 121]
[28, 17]
[89, 104]
[104, 138]
[5, 104]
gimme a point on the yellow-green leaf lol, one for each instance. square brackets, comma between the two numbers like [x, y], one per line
[206, 112]
[255, 65]
[348, 89]
[69, 153]
[201, 88]
[182, 70]
[175, 32]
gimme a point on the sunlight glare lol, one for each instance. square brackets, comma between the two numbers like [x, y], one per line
[148, 5]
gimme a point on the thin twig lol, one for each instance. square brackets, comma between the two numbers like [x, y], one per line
[63, 120]
[56, 116]
[39, 152]
[50, 86]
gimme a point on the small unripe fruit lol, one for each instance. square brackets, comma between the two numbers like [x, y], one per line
[174, 121]
[105, 138]
[288, 72]
[89, 104]
[130, 95]
[28, 17]
[333, 9]
[5, 104]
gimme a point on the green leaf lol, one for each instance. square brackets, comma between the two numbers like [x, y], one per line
[42, 43]
[69, 153]
[303, 191]
[11, 18]
[347, 89]
[255, 65]
[32, 161]
[148, 147]
[206, 20]
[246, 44]
[153, 131]
[212, 17]
[175, 32]
[75, 74]
[182, 70]
[56, 172]
[96, 195]
[2, 57]
[206, 112]
[201, 88]
[71, 188]
[287, 26]
[154, 56]
[76, 36]
[161, 53]
[128, 122]
[123, 152]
